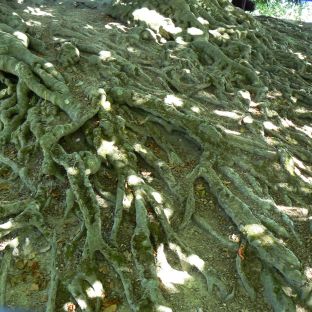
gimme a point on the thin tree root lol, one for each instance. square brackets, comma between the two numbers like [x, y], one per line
[5, 265]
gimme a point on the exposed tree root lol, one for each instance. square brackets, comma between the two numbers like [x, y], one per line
[5, 264]
[110, 139]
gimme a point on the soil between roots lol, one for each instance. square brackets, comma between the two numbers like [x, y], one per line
[74, 255]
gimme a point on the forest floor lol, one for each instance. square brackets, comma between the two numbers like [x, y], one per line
[185, 292]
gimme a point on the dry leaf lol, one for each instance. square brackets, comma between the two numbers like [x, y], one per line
[34, 287]
[111, 308]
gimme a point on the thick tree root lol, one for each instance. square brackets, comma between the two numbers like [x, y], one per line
[5, 264]
[112, 139]
[54, 277]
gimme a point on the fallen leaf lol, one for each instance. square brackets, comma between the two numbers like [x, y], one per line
[4, 186]
[103, 269]
[111, 308]
[34, 287]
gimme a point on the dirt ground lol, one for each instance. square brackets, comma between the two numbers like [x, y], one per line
[185, 291]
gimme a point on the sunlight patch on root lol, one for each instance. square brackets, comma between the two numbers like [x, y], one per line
[86, 200]
[30, 216]
[269, 249]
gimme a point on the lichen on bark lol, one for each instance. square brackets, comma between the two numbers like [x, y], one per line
[120, 137]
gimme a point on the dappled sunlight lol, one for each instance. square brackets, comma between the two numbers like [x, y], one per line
[306, 129]
[245, 95]
[255, 230]
[119, 26]
[168, 213]
[215, 33]
[146, 135]
[106, 105]
[11, 242]
[127, 201]
[308, 273]
[303, 177]
[196, 262]
[96, 290]
[158, 198]
[301, 110]
[147, 175]
[193, 260]
[140, 148]
[229, 131]
[194, 31]
[156, 21]
[195, 109]
[228, 114]
[134, 180]
[48, 65]
[294, 166]
[173, 100]
[103, 203]
[300, 55]
[296, 213]
[7, 225]
[88, 27]
[248, 120]
[132, 50]
[220, 33]
[202, 21]
[106, 56]
[107, 148]
[37, 11]
[179, 40]
[162, 308]
[286, 123]
[294, 99]
[168, 275]
[72, 171]
[22, 37]
[299, 308]
[28, 247]
[274, 94]
[14, 244]
[82, 303]
[259, 233]
[299, 163]
[270, 126]
[32, 23]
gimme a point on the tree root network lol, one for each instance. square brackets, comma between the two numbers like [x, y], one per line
[120, 135]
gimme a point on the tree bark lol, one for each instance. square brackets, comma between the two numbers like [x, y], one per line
[136, 132]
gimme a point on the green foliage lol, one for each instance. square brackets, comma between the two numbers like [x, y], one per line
[281, 9]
